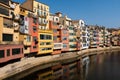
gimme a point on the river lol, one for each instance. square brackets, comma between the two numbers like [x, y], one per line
[105, 66]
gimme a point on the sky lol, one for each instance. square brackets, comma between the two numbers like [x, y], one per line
[101, 12]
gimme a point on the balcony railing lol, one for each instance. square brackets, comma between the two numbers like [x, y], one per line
[58, 45]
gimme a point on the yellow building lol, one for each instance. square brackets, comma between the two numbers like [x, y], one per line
[45, 75]
[45, 36]
[45, 41]
[9, 25]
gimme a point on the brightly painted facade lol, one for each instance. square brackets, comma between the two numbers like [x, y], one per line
[107, 38]
[94, 36]
[10, 46]
[78, 30]
[67, 23]
[54, 25]
[41, 11]
[101, 37]
[64, 32]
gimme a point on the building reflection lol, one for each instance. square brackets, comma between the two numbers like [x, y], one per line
[60, 71]
[45, 74]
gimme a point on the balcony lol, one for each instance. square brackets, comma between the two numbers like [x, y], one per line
[58, 45]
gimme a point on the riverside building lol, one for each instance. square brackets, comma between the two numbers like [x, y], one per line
[10, 45]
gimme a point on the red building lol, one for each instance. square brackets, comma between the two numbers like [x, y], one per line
[9, 52]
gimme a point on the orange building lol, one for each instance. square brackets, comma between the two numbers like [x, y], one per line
[33, 26]
[65, 39]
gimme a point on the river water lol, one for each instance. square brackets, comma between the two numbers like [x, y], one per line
[105, 66]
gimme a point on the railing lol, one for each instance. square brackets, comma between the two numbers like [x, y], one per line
[58, 45]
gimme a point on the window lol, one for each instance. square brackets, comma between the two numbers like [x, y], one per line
[64, 38]
[7, 37]
[56, 19]
[48, 37]
[8, 52]
[55, 38]
[54, 30]
[64, 45]
[73, 46]
[72, 40]
[38, 6]
[42, 36]
[43, 49]
[28, 38]
[4, 10]
[70, 28]
[34, 20]
[2, 53]
[48, 43]
[34, 38]
[48, 48]
[64, 32]
[42, 43]
[34, 47]
[34, 29]
[71, 34]
[15, 51]
[44, 13]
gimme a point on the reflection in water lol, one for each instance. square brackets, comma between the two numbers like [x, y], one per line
[106, 67]
[65, 71]
[101, 67]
